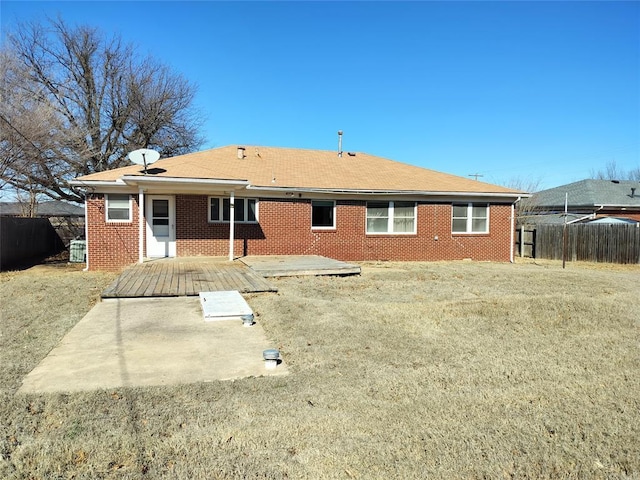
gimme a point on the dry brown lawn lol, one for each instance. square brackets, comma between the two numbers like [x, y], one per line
[411, 370]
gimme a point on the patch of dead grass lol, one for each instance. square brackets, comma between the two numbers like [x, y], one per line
[411, 370]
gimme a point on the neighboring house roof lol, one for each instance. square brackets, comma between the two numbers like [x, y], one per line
[270, 167]
[589, 194]
[614, 220]
[53, 208]
[551, 219]
[10, 208]
[57, 208]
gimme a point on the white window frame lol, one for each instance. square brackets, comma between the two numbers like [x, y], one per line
[238, 202]
[390, 219]
[333, 216]
[107, 207]
[469, 218]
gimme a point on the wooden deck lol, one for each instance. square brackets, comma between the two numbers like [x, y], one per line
[179, 277]
[296, 265]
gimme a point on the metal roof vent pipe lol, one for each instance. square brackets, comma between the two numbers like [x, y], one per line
[240, 153]
[340, 143]
[271, 357]
[633, 192]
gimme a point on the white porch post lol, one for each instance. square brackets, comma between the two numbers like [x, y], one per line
[232, 222]
[140, 225]
[86, 232]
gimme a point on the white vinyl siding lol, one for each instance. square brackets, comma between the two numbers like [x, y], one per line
[118, 207]
[245, 210]
[391, 217]
[470, 218]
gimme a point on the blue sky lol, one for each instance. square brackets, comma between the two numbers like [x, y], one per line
[541, 91]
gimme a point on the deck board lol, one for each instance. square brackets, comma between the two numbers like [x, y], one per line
[135, 284]
[152, 280]
[181, 281]
[188, 275]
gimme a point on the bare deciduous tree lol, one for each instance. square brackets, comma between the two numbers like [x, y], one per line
[526, 206]
[613, 172]
[75, 102]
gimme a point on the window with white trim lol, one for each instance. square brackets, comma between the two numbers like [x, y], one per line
[391, 217]
[245, 210]
[323, 214]
[118, 207]
[470, 218]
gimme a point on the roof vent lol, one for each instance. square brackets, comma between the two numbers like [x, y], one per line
[615, 181]
[340, 143]
[240, 152]
[351, 154]
[633, 192]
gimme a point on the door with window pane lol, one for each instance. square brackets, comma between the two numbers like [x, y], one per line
[161, 241]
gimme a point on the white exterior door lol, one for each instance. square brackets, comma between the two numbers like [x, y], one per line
[161, 226]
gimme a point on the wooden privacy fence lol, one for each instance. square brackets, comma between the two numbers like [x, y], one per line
[25, 239]
[525, 241]
[585, 242]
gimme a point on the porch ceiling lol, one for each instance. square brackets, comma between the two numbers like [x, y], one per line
[183, 185]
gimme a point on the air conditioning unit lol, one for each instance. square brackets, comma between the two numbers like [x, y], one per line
[78, 251]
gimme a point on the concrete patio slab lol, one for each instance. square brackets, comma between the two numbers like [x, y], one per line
[150, 341]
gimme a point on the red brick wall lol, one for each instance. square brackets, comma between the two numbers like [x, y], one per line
[350, 242]
[110, 245]
[619, 214]
[285, 229]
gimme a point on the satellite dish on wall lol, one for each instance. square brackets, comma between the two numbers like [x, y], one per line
[144, 156]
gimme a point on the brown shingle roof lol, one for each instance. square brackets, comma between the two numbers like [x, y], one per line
[299, 168]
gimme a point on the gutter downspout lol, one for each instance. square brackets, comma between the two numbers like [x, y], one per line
[86, 234]
[140, 225]
[513, 226]
[594, 215]
[232, 221]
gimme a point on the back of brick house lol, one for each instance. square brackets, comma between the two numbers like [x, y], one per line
[287, 206]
